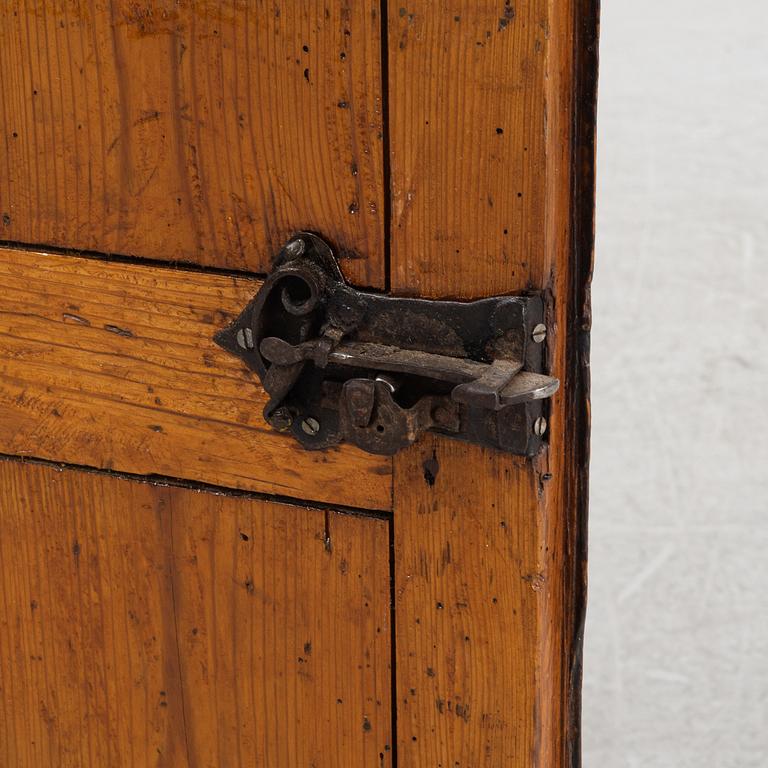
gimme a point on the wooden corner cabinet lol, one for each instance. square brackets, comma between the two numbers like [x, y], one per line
[184, 581]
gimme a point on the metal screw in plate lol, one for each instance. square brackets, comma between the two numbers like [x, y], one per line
[295, 248]
[310, 425]
[539, 426]
[245, 338]
[281, 420]
[539, 333]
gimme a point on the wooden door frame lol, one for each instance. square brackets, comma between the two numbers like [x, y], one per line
[542, 718]
[586, 64]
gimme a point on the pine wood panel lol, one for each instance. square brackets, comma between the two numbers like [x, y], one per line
[113, 366]
[201, 131]
[147, 625]
[492, 122]
[469, 145]
[283, 622]
[88, 663]
[469, 578]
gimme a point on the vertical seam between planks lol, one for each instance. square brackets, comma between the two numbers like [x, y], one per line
[385, 130]
[387, 244]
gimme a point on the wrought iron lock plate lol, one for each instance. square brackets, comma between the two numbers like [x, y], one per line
[375, 370]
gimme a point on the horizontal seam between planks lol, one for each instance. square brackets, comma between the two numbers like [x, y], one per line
[200, 487]
[171, 265]
[176, 265]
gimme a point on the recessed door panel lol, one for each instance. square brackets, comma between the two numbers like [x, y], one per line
[143, 624]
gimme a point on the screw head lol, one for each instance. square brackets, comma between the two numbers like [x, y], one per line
[281, 420]
[245, 338]
[310, 425]
[539, 333]
[539, 426]
[295, 248]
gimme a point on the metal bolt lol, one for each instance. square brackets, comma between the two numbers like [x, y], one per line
[245, 338]
[281, 420]
[310, 425]
[295, 248]
[539, 333]
[539, 426]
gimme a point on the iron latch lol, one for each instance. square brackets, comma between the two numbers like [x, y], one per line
[375, 370]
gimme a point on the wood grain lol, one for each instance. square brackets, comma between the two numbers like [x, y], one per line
[469, 578]
[113, 366]
[469, 145]
[88, 662]
[143, 625]
[284, 634]
[201, 131]
[486, 109]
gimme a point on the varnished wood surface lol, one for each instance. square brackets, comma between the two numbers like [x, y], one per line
[283, 623]
[469, 579]
[202, 131]
[113, 366]
[491, 193]
[468, 89]
[143, 625]
[489, 553]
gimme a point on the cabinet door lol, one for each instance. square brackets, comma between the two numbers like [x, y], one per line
[181, 584]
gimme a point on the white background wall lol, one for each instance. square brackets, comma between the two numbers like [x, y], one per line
[676, 658]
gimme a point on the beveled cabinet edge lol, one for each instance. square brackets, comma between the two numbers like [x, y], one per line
[586, 65]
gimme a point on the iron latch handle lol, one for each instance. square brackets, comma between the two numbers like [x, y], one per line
[376, 370]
